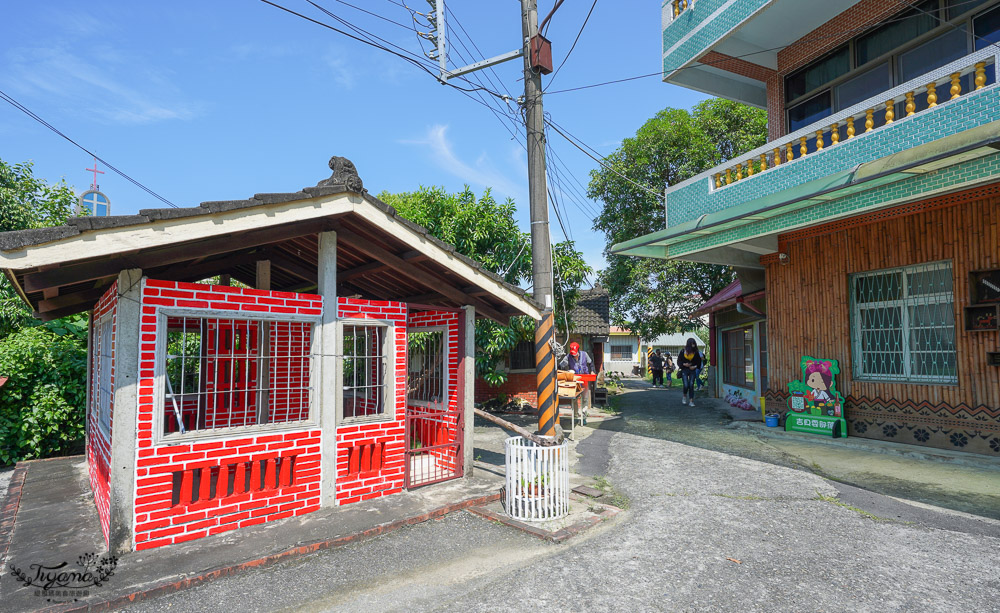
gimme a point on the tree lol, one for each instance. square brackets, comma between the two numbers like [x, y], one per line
[650, 296]
[42, 403]
[27, 202]
[486, 231]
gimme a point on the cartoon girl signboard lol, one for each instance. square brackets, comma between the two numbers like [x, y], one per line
[817, 392]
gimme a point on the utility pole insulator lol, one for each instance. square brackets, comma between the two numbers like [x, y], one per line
[541, 54]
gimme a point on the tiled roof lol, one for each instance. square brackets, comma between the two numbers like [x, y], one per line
[592, 315]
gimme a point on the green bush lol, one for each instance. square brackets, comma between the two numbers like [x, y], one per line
[42, 404]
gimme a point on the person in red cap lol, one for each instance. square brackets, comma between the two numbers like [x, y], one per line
[578, 361]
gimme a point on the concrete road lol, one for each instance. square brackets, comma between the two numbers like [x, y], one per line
[704, 531]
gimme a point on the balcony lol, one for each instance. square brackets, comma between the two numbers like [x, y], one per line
[925, 136]
[753, 30]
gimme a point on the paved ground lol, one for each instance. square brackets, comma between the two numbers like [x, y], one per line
[704, 530]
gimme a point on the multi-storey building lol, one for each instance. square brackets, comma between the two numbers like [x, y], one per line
[871, 220]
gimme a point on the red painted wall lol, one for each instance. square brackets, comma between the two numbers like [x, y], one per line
[518, 385]
[99, 445]
[181, 489]
[444, 429]
[371, 454]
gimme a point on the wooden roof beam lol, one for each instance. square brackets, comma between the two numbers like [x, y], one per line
[89, 271]
[418, 274]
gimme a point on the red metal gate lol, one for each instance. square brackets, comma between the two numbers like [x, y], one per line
[434, 414]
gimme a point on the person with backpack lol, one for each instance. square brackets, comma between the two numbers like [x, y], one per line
[656, 367]
[688, 363]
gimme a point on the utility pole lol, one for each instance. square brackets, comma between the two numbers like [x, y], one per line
[541, 250]
[537, 60]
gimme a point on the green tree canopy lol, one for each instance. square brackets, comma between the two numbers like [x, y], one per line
[486, 231]
[650, 296]
[27, 202]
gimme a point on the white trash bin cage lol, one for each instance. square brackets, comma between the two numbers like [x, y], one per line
[537, 480]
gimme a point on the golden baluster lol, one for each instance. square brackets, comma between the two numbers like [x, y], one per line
[729, 177]
[890, 110]
[677, 8]
[956, 85]
[835, 134]
[763, 162]
[718, 180]
[803, 149]
[850, 128]
[819, 140]
[931, 95]
[790, 151]
[911, 106]
[750, 170]
[739, 171]
[777, 156]
[869, 120]
[980, 75]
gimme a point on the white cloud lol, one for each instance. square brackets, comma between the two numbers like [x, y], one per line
[340, 67]
[481, 173]
[116, 88]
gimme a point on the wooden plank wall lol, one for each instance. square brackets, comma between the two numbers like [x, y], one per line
[809, 306]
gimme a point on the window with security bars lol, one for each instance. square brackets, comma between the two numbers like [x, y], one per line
[737, 346]
[426, 374]
[621, 353]
[101, 399]
[365, 363]
[903, 324]
[522, 356]
[224, 373]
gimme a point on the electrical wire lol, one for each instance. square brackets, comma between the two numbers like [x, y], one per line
[573, 141]
[7, 98]
[573, 46]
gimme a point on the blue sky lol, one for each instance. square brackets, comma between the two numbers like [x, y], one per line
[223, 99]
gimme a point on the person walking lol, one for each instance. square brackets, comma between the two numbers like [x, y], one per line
[668, 369]
[656, 367]
[688, 363]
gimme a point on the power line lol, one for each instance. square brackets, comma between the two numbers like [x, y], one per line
[573, 46]
[840, 34]
[376, 15]
[7, 98]
[573, 141]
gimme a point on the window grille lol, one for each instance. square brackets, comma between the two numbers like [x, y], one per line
[426, 376]
[364, 368]
[738, 349]
[224, 373]
[103, 342]
[903, 324]
[522, 356]
[621, 353]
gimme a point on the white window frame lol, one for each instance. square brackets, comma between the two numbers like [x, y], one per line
[104, 333]
[611, 352]
[391, 379]
[160, 378]
[445, 371]
[904, 302]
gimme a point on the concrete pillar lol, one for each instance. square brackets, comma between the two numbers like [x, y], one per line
[327, 384]
[467, 365]
[126, 405]
[264, 274]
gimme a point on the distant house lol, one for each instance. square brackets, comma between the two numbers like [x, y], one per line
[590, 323]
[623, 352]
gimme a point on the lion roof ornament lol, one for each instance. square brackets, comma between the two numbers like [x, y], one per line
[344, 173]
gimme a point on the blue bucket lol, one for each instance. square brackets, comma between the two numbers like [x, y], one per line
[771, 419]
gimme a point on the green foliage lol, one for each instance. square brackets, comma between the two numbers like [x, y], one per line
[42, 403]
[650, 296]
[486, 231]
[27, 202]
